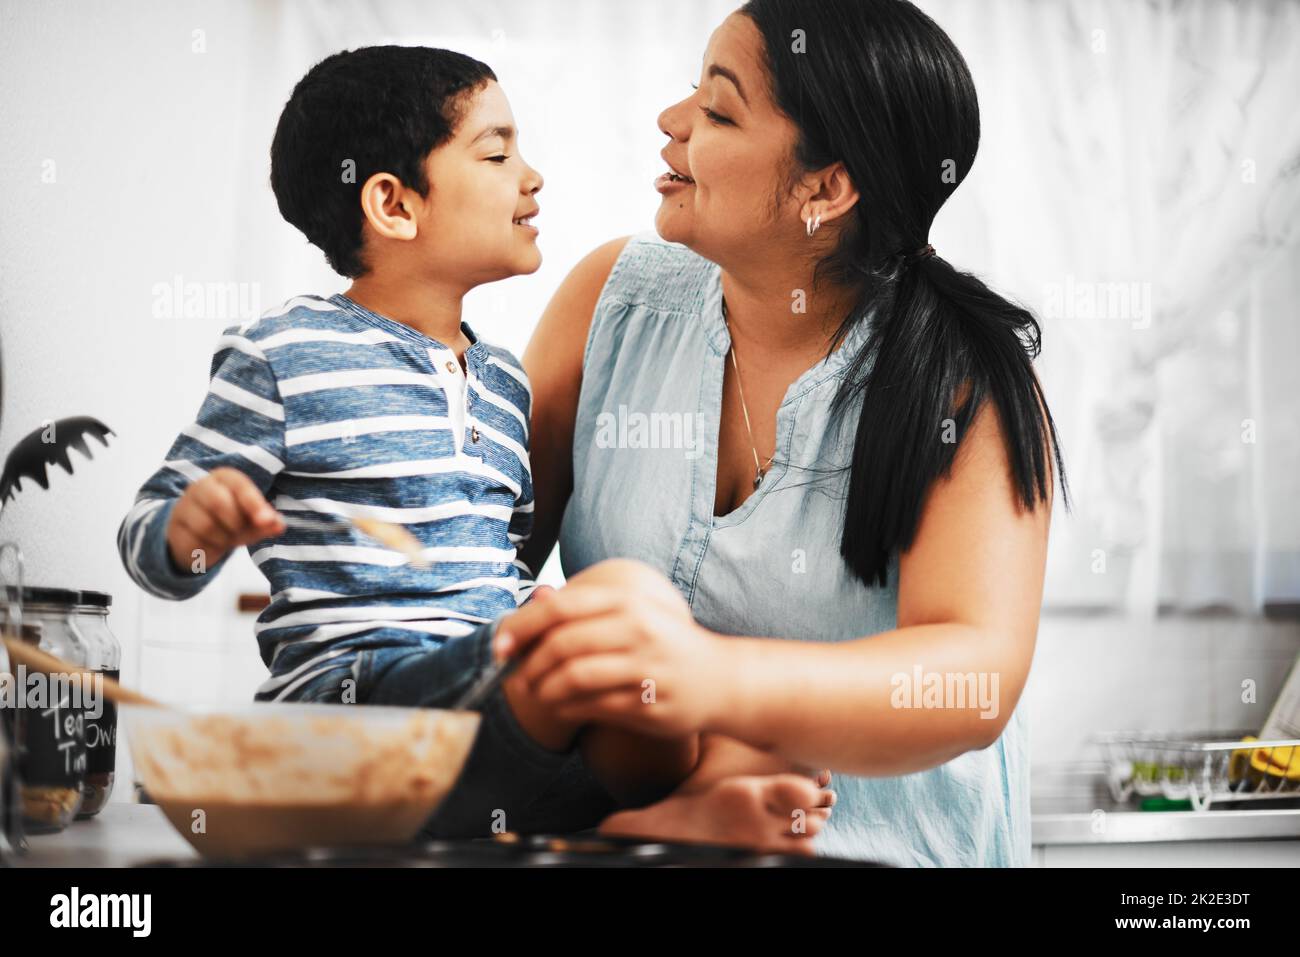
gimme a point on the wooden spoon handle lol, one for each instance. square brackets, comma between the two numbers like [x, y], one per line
[387, 534]
[42, 661]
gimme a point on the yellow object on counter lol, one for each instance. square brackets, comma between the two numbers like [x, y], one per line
[1277, 762]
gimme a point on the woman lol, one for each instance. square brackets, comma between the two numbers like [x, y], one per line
[873, 475]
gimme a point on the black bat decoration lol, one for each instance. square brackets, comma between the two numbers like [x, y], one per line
[33, 453]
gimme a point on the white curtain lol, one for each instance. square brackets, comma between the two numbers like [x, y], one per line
[1138, 187]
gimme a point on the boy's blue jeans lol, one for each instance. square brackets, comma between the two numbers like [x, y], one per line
[510, 782]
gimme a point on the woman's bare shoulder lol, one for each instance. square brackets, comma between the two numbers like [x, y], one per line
[593, 270]
[560, 339]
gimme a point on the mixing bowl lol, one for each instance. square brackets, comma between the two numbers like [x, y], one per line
[276, 777]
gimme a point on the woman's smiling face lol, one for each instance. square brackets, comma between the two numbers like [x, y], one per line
[731, 151]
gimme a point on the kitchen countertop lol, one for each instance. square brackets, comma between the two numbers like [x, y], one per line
[126, 834]
[121, 835]
[1127, 826]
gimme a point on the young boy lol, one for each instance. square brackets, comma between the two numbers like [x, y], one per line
[402, 165]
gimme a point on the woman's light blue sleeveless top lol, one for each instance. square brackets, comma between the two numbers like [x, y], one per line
[645, 457]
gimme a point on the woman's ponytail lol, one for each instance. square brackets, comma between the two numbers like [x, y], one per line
[941, 344]
[883, 90]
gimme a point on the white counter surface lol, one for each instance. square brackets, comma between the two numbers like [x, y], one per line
[121, 835]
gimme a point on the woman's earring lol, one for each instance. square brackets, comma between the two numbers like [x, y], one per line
[812, 225]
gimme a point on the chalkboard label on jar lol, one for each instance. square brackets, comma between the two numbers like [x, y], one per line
[101, 735]
[53, 750]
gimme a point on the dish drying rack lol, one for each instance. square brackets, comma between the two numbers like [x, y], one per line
[1203, 768]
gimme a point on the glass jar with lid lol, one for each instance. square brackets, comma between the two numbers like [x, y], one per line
[11, 835]
[90, 620]
[52, 740]
[11, 616]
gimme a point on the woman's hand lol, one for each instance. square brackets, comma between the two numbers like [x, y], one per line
[618, 644]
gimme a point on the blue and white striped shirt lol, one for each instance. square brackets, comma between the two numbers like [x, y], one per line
[333, 410]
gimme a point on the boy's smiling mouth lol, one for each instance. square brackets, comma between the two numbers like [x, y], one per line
[526, 220]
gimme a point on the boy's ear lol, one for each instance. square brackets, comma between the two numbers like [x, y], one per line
[384, 201]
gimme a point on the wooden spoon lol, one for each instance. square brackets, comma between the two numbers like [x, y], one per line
[387, 534]
[37, 660]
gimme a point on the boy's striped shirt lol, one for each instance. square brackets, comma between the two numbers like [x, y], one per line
[333, 410]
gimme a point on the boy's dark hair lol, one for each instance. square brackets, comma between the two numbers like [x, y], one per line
[382, 108]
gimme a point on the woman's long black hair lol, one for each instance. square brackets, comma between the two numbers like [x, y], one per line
[877, 85]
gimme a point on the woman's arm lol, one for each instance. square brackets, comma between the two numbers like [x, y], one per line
[969, 596]
[553, 361]
[970, 588]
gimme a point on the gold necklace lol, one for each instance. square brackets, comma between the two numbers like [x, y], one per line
[759, 470]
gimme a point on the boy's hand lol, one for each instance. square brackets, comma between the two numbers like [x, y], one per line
[218, 513]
